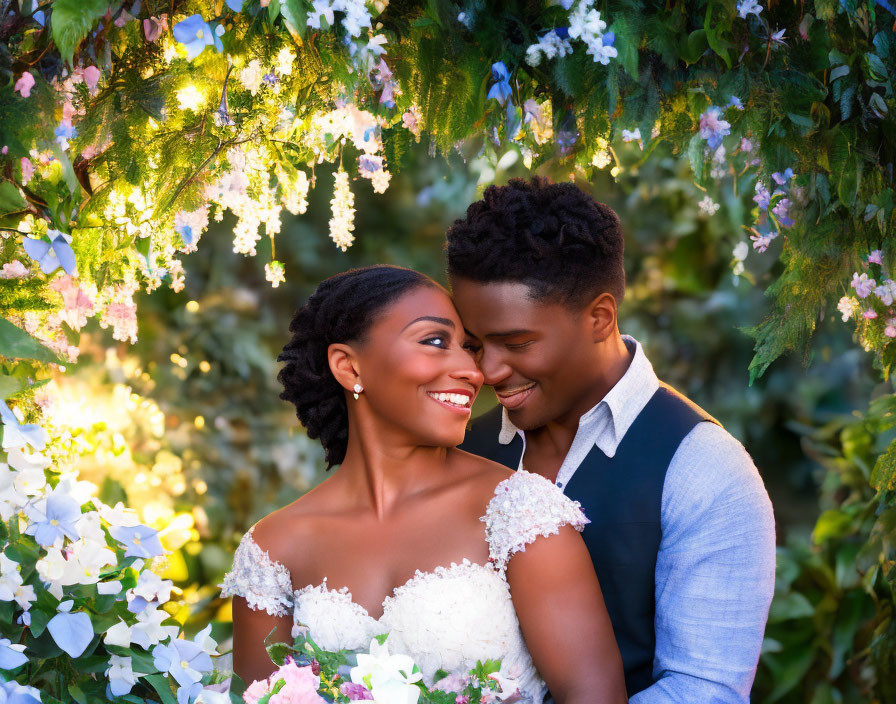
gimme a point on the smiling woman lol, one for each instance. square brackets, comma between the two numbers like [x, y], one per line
[394, 542]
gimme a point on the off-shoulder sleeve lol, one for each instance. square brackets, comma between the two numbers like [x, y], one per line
[263, 582]
[524, 507]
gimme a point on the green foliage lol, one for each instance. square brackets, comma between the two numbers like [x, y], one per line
[71, 20]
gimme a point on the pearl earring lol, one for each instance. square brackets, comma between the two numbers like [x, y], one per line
[357, 390]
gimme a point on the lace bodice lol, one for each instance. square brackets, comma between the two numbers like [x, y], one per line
[444, 619]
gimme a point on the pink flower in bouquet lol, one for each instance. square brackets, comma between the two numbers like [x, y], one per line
[255, 691]
[301, 685]
[355, 692]
[154, 26]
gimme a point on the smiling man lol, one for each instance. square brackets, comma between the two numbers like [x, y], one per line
[682, 531]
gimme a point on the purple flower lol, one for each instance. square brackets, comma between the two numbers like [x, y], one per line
[734, 101]
[746, 145]
[270, 78]
[762, 196]
[876, 257]
[712, 128]
[761, 242]
[355, 692]
[746, 7]
[863, 285]
[886, 292]
[65, 132]
[782, 212]
[780, 178]
[140, 540]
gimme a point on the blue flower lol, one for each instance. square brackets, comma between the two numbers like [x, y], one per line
[53, 254]
[11, 656]
[762, 197]
[713, 128]
[52, 518]
[563, 33]
[15, 693]
[195, 34]
[500, 90]
[609, 38]
[235, 5]
[140, 541]
[72, 632]
[735, 102]
[65, 132]
[186, 662]
[17, 435]
[780, 178]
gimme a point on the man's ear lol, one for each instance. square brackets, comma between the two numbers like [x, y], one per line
[344, 364]
[602, 317]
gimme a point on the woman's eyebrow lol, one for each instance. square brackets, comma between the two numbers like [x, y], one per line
[444, 321]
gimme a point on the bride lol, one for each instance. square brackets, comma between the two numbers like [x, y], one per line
[394, 542]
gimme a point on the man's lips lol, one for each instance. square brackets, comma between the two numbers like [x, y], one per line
[514, 397]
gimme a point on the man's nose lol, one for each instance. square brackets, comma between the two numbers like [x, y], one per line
[494, 368]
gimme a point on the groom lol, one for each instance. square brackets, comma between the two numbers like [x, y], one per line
[682, 532]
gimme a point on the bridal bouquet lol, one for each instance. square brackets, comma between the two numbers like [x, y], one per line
[308, 674]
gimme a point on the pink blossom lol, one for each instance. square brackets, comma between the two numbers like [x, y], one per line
[27, 170]
[5, 149]
[876, 257]
[461, 699]
[355, 692]
[68, 111]
[91, 77]
[869, 314]
[154, 26]
[255, 691]
[301, 685]
[123, 18]
[78, 305]
[123, 319]
[25, 84]
[890, 330]
[13, 270]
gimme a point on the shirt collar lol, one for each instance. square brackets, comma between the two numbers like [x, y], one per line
[624, 401]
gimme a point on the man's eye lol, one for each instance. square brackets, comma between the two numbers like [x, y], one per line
[472, 348]
[518, 345]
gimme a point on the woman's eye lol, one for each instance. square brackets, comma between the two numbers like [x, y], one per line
[436, 341]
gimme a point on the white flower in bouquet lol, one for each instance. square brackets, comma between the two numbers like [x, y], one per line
[390, 678]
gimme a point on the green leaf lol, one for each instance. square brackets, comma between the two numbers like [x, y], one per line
[273, 10]
[77, 694]
[696, 156]
[790, 606]
[876, 68]
[801, 120]
[295, 12]
[18, 344]
[626, 45]
[161, 684]
[714, 23]
[849, 181]
[11, 200]
[72, 20]
[839, 72]
[832, 524]
[883, 476]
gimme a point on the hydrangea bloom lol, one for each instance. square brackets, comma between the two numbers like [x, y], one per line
[713, 128]
[848, 307]
[762, 197]
[886, 292]
[708, 205]
[863, 285]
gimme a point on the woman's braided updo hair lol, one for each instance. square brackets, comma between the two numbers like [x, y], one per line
[554, 237]
[341, 309]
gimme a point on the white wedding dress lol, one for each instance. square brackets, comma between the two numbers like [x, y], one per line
[445, 619]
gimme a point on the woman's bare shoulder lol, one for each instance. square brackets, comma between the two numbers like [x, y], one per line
[281, 530]
[483, 472]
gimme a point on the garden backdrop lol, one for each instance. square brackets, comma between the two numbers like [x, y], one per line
[177, 175]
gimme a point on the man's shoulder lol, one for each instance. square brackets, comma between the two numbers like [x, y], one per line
[712, 468]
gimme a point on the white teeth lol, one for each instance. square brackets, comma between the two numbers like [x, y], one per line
[455, 399]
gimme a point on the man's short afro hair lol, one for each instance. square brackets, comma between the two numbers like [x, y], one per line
[553, 237]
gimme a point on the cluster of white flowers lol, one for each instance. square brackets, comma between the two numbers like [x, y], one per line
[355, 12]
[708, 205]
[343, 221]
[586, 25]
[548, 46]
[275, 273]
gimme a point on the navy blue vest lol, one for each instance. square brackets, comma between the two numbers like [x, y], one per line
[622, 496]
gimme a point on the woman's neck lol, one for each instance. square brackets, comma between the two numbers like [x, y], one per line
[381, 471]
